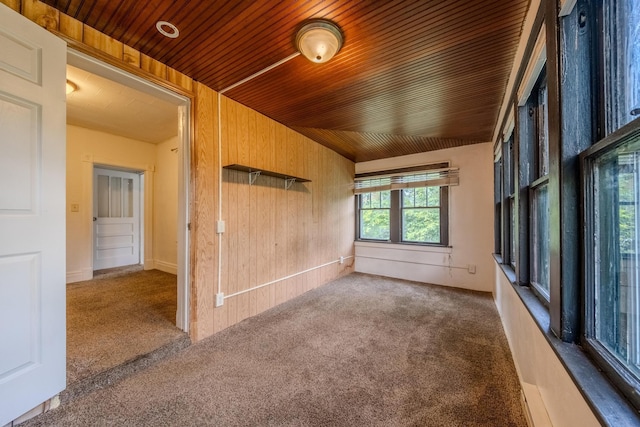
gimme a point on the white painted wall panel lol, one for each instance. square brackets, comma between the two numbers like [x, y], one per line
[470, 226]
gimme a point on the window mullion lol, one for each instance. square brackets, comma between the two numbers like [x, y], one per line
[395, 216]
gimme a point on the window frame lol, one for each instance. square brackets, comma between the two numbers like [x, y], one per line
[539, 178]
[619, 374]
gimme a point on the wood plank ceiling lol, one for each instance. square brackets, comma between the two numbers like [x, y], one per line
[412, 76]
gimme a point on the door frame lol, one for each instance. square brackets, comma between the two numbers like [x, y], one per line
[183, 106]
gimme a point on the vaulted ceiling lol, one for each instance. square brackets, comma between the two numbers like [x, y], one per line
[412, 76]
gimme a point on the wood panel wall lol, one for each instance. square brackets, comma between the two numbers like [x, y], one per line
[271, 233]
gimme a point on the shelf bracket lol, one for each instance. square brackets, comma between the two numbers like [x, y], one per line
[288, 182]
[253, 176]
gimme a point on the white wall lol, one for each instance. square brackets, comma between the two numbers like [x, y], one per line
[87, 147]
[470, 226]
[544, 380]
[165, 207]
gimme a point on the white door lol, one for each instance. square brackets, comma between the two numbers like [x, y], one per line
[116, 223]
[32, 215]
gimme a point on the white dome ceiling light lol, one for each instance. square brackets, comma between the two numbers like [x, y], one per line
[319, 40]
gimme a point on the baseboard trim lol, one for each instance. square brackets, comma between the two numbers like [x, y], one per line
[534, 407]
[79, 275]
[167, 267]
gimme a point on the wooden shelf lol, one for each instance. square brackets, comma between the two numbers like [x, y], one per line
[254, 173]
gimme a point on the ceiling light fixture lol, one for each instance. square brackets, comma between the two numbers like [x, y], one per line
[71, 87]
[319, 40]
[167, 29]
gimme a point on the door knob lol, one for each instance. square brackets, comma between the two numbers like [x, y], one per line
[95, 219]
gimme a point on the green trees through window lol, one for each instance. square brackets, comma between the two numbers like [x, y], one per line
[421, 215]
[411, 215]
[375, 215]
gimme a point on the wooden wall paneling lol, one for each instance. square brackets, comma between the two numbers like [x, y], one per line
[302, 255]
[308, 223]
[311, 155]
[133, 57]
[259, 130]
[291, 210]
[179, 79]
[224, 131]
[204, 264]
[273, 204]
[13, 4]
[253, 211]
[281, 216]
[104, 43]
[222, 313]
[233, 239]
[230, 119]
[152, 66]
[243, 212]
[42, 14]
[242, 136]
[71, 27]
[244, 244]
[262, 243]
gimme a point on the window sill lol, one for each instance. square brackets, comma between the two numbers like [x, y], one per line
[404, 246]
[610, 407]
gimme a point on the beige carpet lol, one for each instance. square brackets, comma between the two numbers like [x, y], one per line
[360, 351]
[117, 318]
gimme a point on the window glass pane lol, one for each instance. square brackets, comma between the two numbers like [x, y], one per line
[433, 198]
[540, 249]
[512, 229]
[127, 188]
[365, 200]
[421, 197]
[542, 130]
[622, 62]
[374, 224]
[385, 199]
[116, 197]
[409, 197]
[421, 225]
[103, 196]
[379, 199]
[616, 290]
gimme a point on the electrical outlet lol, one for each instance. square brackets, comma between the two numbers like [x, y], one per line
[471, 268]
[220, 227]
[341, 260]
[220, 299]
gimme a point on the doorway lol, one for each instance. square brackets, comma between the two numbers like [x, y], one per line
[179, 147]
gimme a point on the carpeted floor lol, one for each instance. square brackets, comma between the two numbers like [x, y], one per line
[116, 318]
[360, 351]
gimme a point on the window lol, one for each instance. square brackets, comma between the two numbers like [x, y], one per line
[421, 213]
[510, 202]
[497, 200]
[375, 218]
[405, 207]
[612, 205]
[621, 22]
[539, 192]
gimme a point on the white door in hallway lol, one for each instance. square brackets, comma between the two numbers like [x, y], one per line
[32, 215]
[116, 213]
